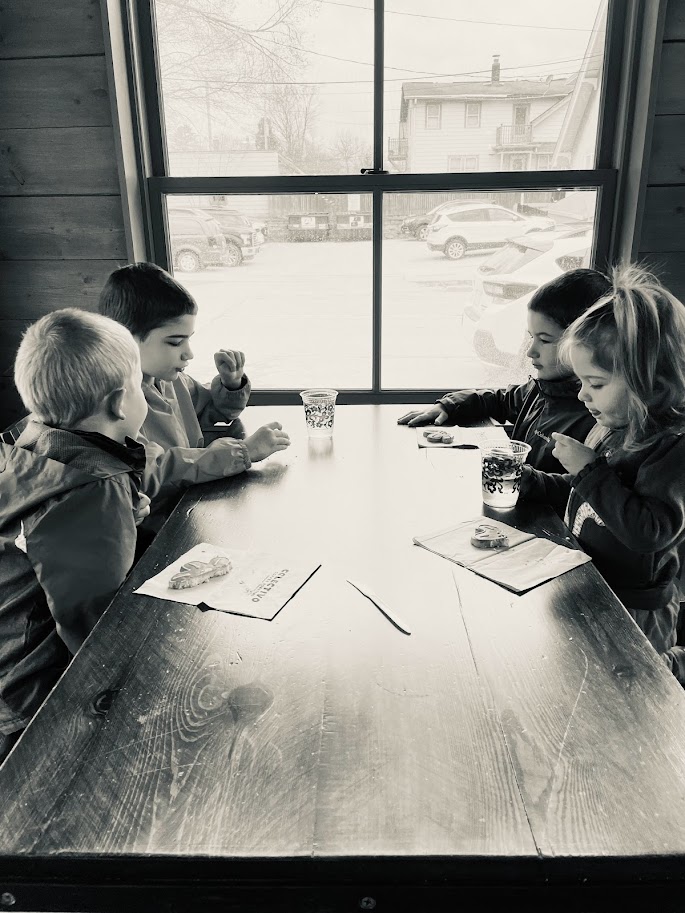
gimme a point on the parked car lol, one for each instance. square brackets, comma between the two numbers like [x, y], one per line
[472, 226]
[197, 240]
[501, 338]
[256, 225]
[525, 263]
[418, 225]
[242, 239]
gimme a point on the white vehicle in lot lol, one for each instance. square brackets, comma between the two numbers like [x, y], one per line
[526, 263]
[477, 226]
[501, 338]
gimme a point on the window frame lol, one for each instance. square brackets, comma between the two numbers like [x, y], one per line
[479, 109]
[463, 164]
[607, 177]
[433, 117]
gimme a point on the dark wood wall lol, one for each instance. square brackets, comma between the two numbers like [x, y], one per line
[61, 222]
[61, 217]
[662, 234]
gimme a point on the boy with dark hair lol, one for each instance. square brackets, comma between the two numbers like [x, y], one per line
[160, 314]
[69, 501]
[546, 403]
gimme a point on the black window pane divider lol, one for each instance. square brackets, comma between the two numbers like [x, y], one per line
[603, 179]
[343, 183]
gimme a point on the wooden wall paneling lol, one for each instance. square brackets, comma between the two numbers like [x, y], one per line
[11, 406]
[11, 332]
[54, 92]
[675, 20]
[667, 159]
[31, 28]
[663, 225]
[33, 288]
[57, 160]
[670, 97]
[669, 267]
[61, 228]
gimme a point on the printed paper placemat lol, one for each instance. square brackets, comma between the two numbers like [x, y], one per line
[256, 584]
[527, 561]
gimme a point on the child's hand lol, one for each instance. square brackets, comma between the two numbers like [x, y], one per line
[572, 455]
[230, 363]
[142, 510]
[436, 415]
[266, 440]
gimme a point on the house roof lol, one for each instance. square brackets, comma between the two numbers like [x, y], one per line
[477, 91]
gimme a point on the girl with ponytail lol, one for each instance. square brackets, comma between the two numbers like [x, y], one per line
[623, 493]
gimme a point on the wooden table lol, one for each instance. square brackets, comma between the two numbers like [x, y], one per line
[528, 747]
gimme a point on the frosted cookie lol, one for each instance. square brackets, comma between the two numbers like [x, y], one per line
[438, 437]
[196, 572]
[487, 536]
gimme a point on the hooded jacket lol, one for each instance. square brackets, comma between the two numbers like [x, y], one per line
[178, 411]
[627, 511]
[536, 409]
[67, 541]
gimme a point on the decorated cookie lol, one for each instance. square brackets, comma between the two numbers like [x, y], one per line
[489, 536]
[438, 437]
[196, 572]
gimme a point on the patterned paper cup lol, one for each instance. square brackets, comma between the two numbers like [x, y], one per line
[501, 464]
[319, 411]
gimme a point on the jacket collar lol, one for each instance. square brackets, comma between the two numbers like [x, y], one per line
[564, 388]
[132, 452]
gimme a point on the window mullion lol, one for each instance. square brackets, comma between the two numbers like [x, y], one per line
[149, 62]
[377, 238]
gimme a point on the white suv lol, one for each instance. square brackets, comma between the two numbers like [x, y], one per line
[524, 264]
[471, 226]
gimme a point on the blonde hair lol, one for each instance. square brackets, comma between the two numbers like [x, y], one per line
[637, 331]
[69, 361]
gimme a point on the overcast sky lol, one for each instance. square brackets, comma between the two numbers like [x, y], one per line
[534, 38]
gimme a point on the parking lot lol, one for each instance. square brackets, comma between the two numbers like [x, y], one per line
[302, 314]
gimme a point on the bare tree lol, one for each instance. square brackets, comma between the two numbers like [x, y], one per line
[215, 60]
[292, 112]
[351, 153]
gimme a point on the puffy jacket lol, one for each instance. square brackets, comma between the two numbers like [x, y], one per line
[535, 409]
[67, 541]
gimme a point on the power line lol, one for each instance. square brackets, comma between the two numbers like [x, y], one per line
[336, 82]
[517, 25]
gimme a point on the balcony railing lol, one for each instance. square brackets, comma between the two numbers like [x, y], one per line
[397, 148]
[514, 134]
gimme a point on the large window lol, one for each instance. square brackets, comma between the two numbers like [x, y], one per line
[365, 198]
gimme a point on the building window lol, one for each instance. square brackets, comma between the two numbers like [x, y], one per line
[433, 116]
[472, 114]
[462, 163]
[257, 130]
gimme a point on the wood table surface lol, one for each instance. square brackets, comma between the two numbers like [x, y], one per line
[510, 743]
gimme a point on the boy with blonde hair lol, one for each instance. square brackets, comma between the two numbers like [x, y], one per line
[160, 313]
[69, 501]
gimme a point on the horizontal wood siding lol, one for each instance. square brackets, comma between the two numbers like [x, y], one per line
[662, 235]
[667, 160]
[31, 28]
[61, 228]
[54, 92]
[72, 160]
[34, 288]
[670, 97]
[61, 221]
